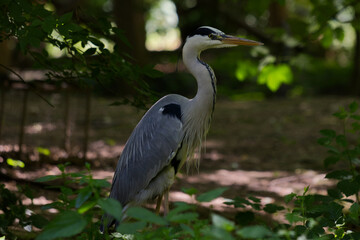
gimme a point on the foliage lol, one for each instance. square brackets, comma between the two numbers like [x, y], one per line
[15, 163]
[87, 61]
[312, 28]
[275, 75]
[305, 42]
[13, 210]
[308, 216]
[77, 206]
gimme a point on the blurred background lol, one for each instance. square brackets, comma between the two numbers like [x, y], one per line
[311, 47]
[77, 75]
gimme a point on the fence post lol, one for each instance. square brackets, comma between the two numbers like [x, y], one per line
[87, 122]
[23, 120]
[67, 122]
[2, 106]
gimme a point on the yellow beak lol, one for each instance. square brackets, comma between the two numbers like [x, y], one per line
[228, 39]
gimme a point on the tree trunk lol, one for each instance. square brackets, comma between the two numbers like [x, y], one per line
[278, 15]
[204, 12]
[356, 67]
[130, 17]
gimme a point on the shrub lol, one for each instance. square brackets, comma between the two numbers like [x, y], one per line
[308, 216]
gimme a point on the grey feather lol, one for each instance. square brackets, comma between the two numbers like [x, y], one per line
[149, 150]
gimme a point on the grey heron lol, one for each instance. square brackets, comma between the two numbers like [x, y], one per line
[170, 131]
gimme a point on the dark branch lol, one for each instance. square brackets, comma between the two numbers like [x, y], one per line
[32, 87]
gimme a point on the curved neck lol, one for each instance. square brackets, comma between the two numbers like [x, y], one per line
[204, 75]
[199, 110]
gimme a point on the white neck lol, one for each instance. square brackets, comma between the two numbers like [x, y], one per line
[205, 77]
[198, 113]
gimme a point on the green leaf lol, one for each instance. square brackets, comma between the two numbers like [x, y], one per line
[36, 23]
[222, 222]
[43, 151]
[289, 197]
[47, 178]
[355, 116]
[48, 24]
[300, 230]
[239, 202]
[245, 69]
[354, 211]
[211, 195]
[335, 193]
[117, 235]
[64, 30]
[15, 163]
[355, 126]
[96, 42]
[254, 199]
[328, 133]
[130, 228]
[353, 107]
[341, 140]
[87, 206]
[275, 75]
[306, 189]
[65, 18]
[254, 232]
[324, 141]
[217, 233]
[53, 205]
[66, 191]
[145, 215]
[38, 220]
[338, 174]
[339, 33]
[111, 207]
[244, 218]
[35, 38]
[342, 114]
[84, 195]
[293, 217]
[121, 35]
[327, 37]
[190, 191]
[183, 217]
[188, 230]
[349, 187]
[331, 160]
[66, 224]
[90, 52]
[334, 211]
[179, 208]
[273, 208]
[103, 183]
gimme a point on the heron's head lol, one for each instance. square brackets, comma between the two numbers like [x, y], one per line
[208, 37]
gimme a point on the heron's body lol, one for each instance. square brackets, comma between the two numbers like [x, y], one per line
[172, 128]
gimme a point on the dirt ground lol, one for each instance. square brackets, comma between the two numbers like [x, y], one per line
[265, 149]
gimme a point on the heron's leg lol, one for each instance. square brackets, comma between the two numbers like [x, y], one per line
[158, 203]
[166, 202]
[124, 216]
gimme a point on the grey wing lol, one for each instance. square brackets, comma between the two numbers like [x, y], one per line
[149, 149]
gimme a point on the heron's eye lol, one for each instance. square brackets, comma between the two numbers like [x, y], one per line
[212, 36]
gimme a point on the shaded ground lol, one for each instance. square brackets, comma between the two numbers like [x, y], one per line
[267, 149]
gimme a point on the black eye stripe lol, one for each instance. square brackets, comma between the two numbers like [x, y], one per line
[202, 31]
